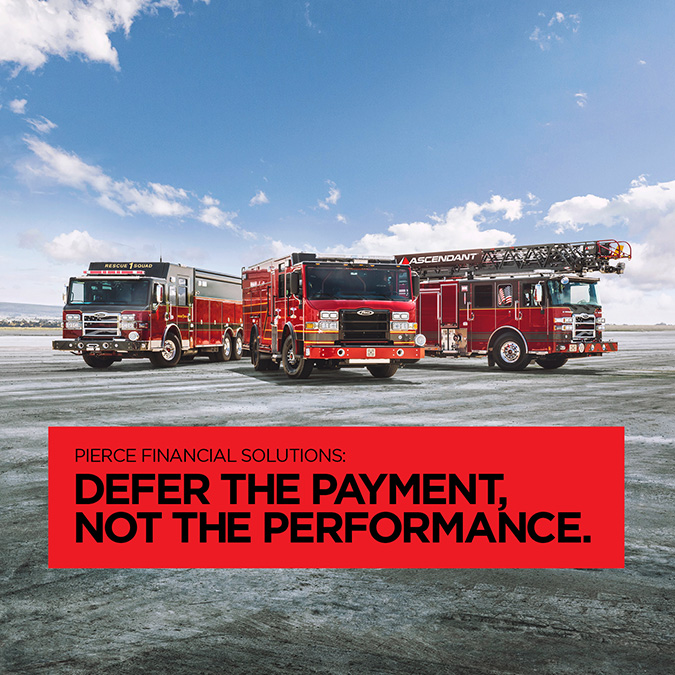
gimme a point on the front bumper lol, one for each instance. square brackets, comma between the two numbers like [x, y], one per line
[363, 354]
[100, 345]
[586, 348]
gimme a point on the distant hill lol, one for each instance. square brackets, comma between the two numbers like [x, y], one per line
[20, 310]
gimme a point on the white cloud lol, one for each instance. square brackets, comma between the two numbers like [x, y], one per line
[259, 198]
[333, 196]
[581, 99]
[551, 33]
[18, 106]
[308, 20]
[42, 125]
[461, 227]
[341, 218]
[31, 31]
[213, 215]
[123, 197]
[78, 246]
[642, 62]
[648, 213]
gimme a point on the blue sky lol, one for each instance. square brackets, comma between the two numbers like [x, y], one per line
[221, 133]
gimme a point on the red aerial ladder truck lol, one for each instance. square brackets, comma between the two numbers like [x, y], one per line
[156, 310]
[305, 309]
[516, 303]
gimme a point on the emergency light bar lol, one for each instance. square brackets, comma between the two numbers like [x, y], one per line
[99, 272]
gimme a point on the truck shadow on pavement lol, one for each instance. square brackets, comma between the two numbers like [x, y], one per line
[353, 377]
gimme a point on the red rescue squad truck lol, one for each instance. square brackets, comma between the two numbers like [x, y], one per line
[155, 310]
[304, 310]
[516, 303]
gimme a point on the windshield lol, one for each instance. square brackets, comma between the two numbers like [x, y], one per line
[358, 283]
[130, 293]
[572, 293]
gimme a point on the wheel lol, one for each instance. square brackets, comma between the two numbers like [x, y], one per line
[257, 361]
[551, 361]
[170, 354]
[224, 352]
[237, 347]
[98, 361]
[294, 365]
[509, 352]
[383, 369]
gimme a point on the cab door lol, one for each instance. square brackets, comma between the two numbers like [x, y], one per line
[430, 315]
[481, 315]
[533, 317]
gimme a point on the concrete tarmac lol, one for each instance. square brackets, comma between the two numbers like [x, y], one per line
[339, 621]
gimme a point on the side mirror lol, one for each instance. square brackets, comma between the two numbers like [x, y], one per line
[294, 282]
[415, 284]
[539, 293]
[64, 295]
[159, 294]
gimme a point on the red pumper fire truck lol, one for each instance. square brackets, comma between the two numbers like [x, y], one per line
[157, 310]
[304, 310]
[518, 303]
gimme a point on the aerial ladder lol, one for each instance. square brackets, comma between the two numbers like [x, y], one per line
[605, 256]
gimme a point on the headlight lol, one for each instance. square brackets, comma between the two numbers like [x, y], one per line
[420, 340]
[73, 317]
[128, 322]
[400, 326]
[400, 316]
[73, 325]
[329, 315]
[328, 325]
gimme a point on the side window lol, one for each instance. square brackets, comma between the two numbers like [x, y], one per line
[182, 291]
[172, 294]
[482, 296]
[528, 295]
[504, 295]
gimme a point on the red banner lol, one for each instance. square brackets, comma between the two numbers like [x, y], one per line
[336, 497]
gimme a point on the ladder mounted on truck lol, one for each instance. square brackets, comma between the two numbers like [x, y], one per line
[577, 257]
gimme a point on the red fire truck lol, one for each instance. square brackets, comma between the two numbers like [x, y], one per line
[304, 310]
[515, 304]
[155, 310]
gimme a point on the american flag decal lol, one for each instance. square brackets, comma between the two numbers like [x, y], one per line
[504, 295]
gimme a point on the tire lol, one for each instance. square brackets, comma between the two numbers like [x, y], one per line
[224, 352]
[97, 361]
[257, 361]
[170, 354]
[237, 347]
[296, 367]
[551, 361]
[382, 370]
[509, 352]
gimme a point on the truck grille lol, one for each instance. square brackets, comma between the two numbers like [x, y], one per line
[583, 328]
[358, 328]
[101, 324]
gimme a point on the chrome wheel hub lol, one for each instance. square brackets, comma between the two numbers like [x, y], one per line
[510, 351]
